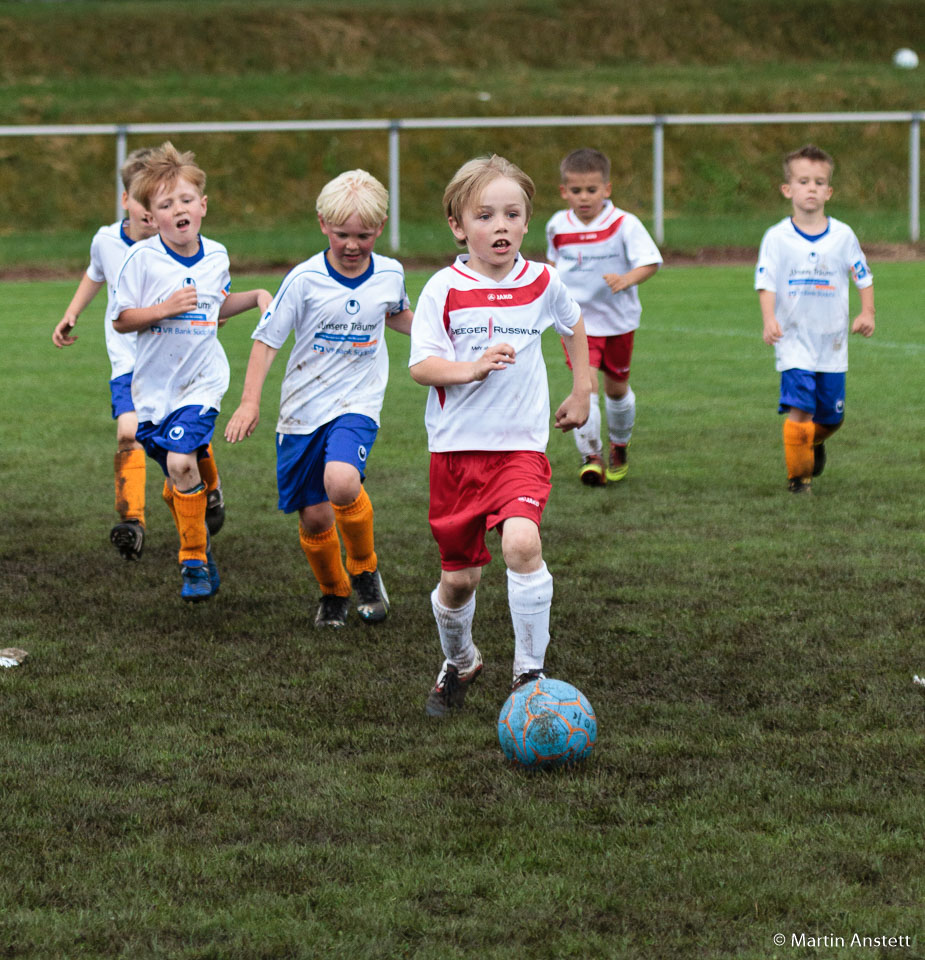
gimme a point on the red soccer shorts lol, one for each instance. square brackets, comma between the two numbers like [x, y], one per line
[473, 491]
[610, 354]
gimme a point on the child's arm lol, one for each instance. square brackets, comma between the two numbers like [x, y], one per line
[236, 303]
[864, 321]
[439, 372]
[86, 290]
[244, 420]
[620, 281]
[140, 318]
[401, 322]
[772, 331]
[573, 411]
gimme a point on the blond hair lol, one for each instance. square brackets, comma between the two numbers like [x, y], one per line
[809, 152]
[133, 165]
[464, 190]
[353, 192]
[163, 167]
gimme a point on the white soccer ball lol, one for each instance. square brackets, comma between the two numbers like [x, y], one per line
[905, 59]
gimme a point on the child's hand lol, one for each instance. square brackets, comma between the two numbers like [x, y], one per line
[863, 324]
[772, 332]
[494, 358]
[573, 412]
[62, 332]
[243, 422]
[616, 281]
[180, 301]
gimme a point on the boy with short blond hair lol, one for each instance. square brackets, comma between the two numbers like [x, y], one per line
[337, 304]
[804, 265]
[603, 254]
[476, 342]
[107, 251]
[173, 290]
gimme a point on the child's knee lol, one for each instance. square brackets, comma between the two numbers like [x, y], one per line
[341, 483]
[521, 544]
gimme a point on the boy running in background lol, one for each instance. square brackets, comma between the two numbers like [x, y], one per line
[337, 304]
[804, 265]
[173, 291]
[476, 342]
[602, 253]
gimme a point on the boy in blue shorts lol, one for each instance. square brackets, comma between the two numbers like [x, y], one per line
[107, 251]
[337, 304]
[173, 290]
[603, 254]
[802, 276]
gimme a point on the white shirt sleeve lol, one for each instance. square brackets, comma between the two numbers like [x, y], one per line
[428, 336]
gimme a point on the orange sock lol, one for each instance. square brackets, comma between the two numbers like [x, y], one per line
[322, 550]
[208, 471]
[355, 522]
[822, 431]
[798, 449]
[167, 495]
[130, 484]
[190, 511]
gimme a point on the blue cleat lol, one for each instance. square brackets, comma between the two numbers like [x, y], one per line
[214, 579]
[197, 585]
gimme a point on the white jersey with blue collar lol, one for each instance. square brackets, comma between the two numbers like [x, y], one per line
[339, 362]
[180, 361]
[614, 242]
[458, 315]
[809, 276]
[107, 252]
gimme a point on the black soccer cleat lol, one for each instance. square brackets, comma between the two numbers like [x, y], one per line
[819, 458]
[128, 537]
[372, 600]
[215, 510]
[332, 610]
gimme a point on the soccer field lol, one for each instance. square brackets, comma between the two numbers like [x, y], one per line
[222, 781]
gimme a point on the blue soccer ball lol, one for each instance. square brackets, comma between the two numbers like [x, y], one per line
[547, 723]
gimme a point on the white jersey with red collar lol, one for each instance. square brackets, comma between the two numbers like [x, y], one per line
[179, 362]
[107, 251]
[339, 363]
[459, 314]
[809, 276]
[614, 242]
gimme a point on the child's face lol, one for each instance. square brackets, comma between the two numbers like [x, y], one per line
[585, 193]
[178, 210]
[808, 186]
[140, 223]
[352, 244]
[494, 228]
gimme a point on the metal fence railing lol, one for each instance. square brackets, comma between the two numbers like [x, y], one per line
[393, 129]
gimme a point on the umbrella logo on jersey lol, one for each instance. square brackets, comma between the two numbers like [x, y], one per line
[813, 256]
[353, 307]
[361, 453]
[176, 433]
[189, 282]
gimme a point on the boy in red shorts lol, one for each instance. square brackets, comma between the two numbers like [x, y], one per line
[603, 253]
[476, 342]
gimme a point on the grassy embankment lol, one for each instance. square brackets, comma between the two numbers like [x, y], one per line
[234, 61]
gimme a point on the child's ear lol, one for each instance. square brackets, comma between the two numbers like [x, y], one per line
[786, 191]
[457, 230]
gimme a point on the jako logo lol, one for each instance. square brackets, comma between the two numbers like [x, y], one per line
[353, 306]
[176, 433]
[500, 296]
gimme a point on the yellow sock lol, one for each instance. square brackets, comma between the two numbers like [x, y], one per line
[190, 509]
[798, 449]
[167, 495]
[208, 471]
[130, 484]
[355, 522]
[322, 550]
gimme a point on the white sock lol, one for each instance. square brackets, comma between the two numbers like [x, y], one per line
[455, 629]
[529, 596]
[588, 437]
[621, 415]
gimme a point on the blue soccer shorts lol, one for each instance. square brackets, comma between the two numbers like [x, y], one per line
[821, 394]
[185, 430]
[120, 392]
[301, 458]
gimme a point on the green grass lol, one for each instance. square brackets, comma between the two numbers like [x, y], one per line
[224, 782]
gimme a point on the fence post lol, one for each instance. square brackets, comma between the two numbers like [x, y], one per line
[394, 179]
[658, 179]
[121, 132]
[914, 175]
